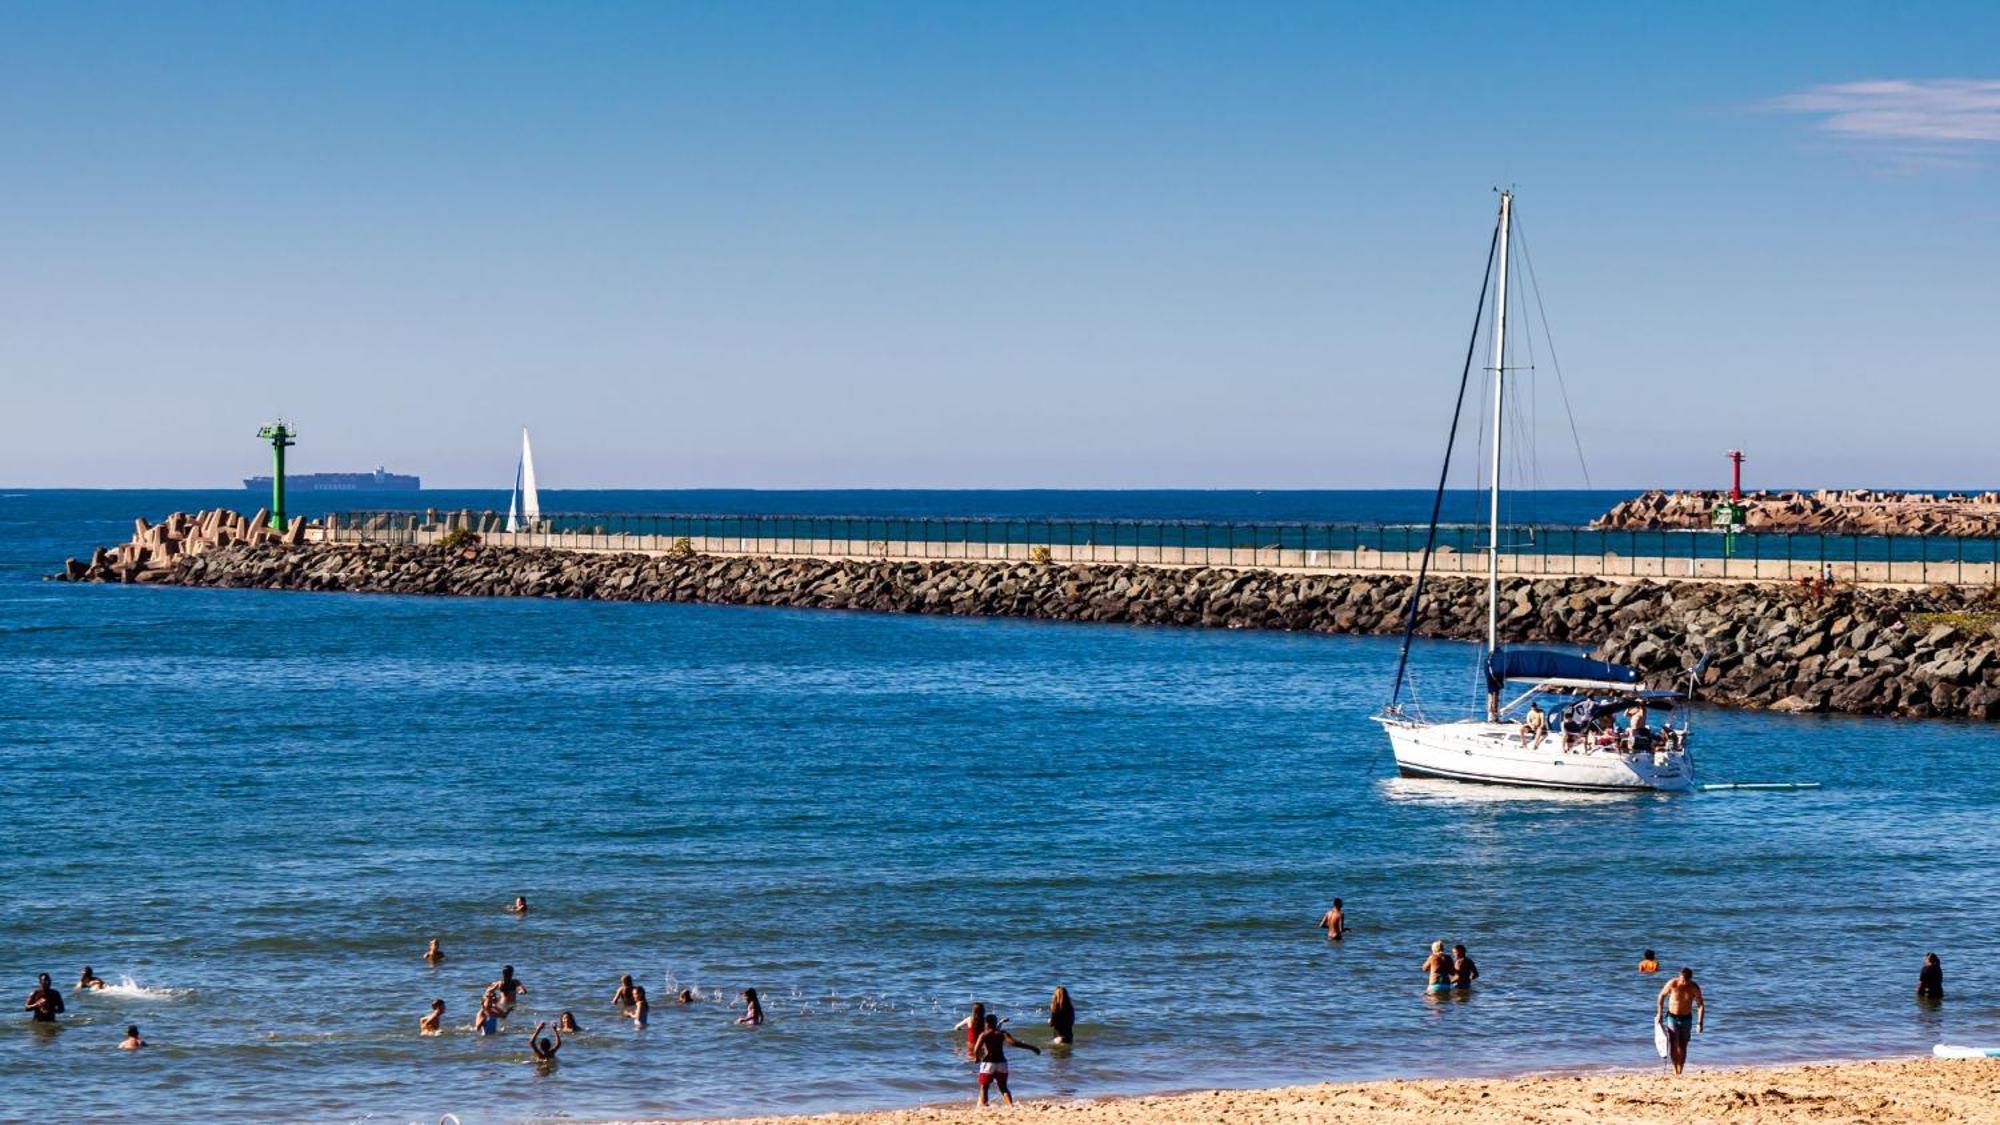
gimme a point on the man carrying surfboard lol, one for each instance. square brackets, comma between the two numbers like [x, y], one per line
[1680, 1011]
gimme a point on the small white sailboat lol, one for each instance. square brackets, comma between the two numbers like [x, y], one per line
[524, 507]
[1581, 750]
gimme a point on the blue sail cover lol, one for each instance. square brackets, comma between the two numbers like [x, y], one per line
[1551, 664]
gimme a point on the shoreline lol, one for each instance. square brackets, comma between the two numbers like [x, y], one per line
[1897, 1088]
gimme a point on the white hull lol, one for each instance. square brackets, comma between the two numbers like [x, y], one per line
[1475, 750]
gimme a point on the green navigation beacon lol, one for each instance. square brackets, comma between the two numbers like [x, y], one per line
[280, 436]
[1728, 514]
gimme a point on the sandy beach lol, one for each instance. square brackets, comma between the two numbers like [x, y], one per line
[1928, 1090]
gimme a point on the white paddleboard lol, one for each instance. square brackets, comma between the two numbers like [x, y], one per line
[1948, 1051]
[1660, 1038]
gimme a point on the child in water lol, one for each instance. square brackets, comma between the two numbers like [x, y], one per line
[545, 1049]
[433, 1023]
[754, 1013]
[132, 1041]
[1649, 963]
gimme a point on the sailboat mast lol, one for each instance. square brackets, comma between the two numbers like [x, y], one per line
[1499, 412]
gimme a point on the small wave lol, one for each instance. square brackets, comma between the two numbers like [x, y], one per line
[129, 989]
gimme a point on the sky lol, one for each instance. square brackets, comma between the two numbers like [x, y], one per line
[938, 244]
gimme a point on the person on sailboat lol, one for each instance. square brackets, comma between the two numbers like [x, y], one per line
[1534, 726]
[1635, 721]
[1575, 728]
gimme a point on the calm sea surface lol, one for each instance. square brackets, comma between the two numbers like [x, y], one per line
[255, 807]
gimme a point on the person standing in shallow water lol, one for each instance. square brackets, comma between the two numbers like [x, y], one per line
[432, 954]
[1930, 979]
[753, 1012]
[1682, 1011]
[1463, 971]
[973, 1025]
[132, 1040]
[642, 1010]
[1334, 922]
[44, 1003]
[1437, 969]
[509, 987]
[520, 905]
[1062, 1017]
[433, 1023]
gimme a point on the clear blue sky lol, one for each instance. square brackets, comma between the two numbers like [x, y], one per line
[941, 244]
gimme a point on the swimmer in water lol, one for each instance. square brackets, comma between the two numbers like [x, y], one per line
[684, 997]
[566, 1024]
[1334, 922]
[1437, 969]
[642, 1009]
[132, 1041]
[487, 1022]
[990, 1049]
[1463, 971]
[509, 987]
[433, 954]
[89, 980]
[520, 905]
[545, 1049]
[974, 1026]
[1649, 963]
[434, 1022]
[623, 997]
[44, 1003]
[753, 1014]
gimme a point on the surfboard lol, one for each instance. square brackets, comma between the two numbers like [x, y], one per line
[1660, 1038]
[1950, 1051]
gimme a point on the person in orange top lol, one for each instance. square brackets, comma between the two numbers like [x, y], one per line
[1649, 963]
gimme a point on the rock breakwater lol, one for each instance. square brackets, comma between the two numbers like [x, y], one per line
[1874, 651]
[1858, 512]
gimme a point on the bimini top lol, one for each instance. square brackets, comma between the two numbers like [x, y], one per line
[1557, 669]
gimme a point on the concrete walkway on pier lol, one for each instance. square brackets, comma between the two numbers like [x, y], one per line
[1362, 560]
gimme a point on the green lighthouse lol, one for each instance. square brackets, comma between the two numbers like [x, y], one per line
[280, 437]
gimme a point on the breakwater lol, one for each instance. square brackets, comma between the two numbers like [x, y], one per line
[1827, 512]
[1871, 651]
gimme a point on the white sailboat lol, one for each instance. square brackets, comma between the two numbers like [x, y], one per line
[1580, 750]
[524, 507]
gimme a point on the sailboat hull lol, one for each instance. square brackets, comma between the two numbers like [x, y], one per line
[1493, 754]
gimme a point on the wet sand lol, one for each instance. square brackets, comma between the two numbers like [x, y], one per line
[1928, 1090]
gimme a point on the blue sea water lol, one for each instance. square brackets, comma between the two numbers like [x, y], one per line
[258, 806]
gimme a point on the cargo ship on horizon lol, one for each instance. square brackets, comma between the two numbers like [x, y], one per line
[381, 480]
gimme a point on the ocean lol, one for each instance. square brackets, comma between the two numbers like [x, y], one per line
[250, 810]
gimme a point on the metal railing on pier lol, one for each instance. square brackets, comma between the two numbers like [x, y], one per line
[1333, 547]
